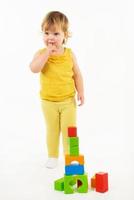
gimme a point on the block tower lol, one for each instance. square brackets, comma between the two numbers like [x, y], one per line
[75, 179]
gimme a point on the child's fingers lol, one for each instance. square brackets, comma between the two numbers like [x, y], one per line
[81, 99]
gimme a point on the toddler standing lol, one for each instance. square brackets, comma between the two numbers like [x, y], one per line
[60, 80]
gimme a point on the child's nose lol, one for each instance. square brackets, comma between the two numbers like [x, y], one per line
[51, 36]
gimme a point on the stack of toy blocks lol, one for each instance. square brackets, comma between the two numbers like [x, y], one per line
[75, 179]
[74, 166]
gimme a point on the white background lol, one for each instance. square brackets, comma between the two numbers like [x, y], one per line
[103, 41]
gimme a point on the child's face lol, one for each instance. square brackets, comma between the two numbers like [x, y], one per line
[54, 37]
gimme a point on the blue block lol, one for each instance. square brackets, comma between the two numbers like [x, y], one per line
[74, 169]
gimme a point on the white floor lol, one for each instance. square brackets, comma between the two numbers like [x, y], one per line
[24, 177]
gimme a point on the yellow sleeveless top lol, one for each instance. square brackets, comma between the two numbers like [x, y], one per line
[56, 77]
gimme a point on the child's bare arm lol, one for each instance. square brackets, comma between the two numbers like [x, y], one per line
[40, 58]
[78, 81]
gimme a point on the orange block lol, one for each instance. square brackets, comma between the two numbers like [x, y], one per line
[93, 182]
[69, 159]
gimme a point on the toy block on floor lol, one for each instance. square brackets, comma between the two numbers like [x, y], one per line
[69, 159]
[69, 181]
[72, 132]
[93, 182]
[101, 182]
[75, 179]
[82, 183]
[59, 184]
[74, 169]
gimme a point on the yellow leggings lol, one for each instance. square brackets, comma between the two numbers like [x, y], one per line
[58, 117]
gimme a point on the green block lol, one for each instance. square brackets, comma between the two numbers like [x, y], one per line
[59, 184]
[73, 182]
[73, 146]
[73, 141]
[84, 180]
[74, 151]
[69, 181]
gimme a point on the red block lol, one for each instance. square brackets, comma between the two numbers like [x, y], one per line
[72, 131]
[101, 182]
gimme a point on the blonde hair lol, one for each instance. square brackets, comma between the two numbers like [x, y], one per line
[54, 20]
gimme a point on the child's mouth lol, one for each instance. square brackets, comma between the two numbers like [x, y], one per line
[51, 43]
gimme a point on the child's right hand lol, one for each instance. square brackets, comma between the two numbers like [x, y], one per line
[51, 48]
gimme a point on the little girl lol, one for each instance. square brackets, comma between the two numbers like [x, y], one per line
[60, 79]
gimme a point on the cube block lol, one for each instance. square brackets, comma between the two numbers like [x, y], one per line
[93, 182]
[59, 184]
[82, 183]
[72, 131]
[70, 180]
[101, 182]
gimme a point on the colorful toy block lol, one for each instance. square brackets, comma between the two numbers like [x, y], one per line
[74, 169]
[69, 181]
[82, 183]
[73, 141]
[69, 159]
[59, 184]
[93, 182]
[72, 132]
[73, 146]
[74, 173]
[101, 182]
[75, 179]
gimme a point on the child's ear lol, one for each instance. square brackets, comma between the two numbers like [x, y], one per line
[64, 41]
[65, 38]
[66, 35]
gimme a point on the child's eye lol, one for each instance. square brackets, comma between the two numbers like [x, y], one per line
[56, 33]
[46, 33]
